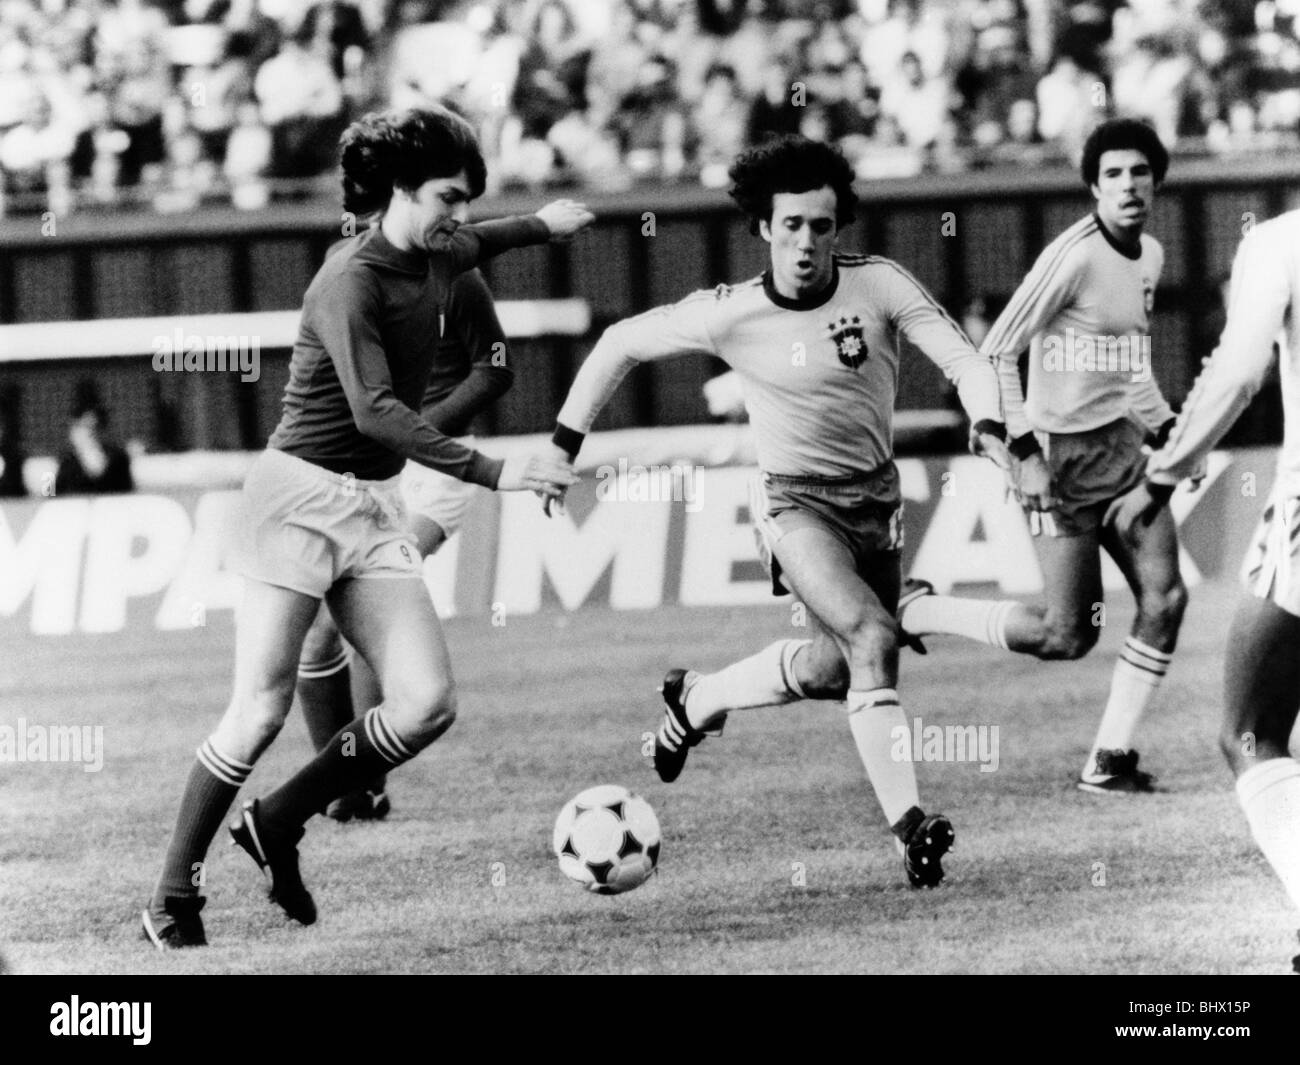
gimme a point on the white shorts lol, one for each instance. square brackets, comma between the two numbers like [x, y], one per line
[442, 499]
[1272, 567]
[304, 527]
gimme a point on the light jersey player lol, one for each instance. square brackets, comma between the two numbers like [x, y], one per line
[815, 340]
[469, 374]
[1261, 665]
[1078, 433]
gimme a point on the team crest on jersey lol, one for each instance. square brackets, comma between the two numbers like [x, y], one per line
[722, 292]
[850, 344]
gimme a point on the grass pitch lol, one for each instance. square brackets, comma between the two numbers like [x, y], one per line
[776, 857]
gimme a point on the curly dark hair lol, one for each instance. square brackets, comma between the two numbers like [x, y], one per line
[384, 150]
[1120, 134]
[791, 163]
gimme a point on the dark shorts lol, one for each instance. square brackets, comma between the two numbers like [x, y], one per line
[1089, 471]
[864, 512]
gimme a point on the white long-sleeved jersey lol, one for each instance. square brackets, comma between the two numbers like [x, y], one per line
[1263, 296]
[820, 375]
[1083, 313]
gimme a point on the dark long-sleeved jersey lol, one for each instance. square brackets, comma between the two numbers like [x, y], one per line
[469, 371]
[371, 322]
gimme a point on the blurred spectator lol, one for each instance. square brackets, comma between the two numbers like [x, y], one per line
[302, 103]
[855, 109]
[720, 120]
[337, 32]
[1071, 101]
[99, 147]
[35, 153]
[214, 95]
[138, 82]
[248, 159]
[995, 78]
[917, 105]
[774, 111]
[651, 125]
[91, 463]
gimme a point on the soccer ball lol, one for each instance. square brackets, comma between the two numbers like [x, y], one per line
[607, 839]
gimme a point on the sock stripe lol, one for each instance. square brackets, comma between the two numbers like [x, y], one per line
[997, 624]
[316, 670]
[227, 770]
[1267, 774]
[1147, 651]
[1158, 672]
[384, 739]
[788, 652]
[876, 698]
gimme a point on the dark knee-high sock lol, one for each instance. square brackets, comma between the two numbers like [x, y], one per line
[362, 750]
[326, 704]
[214, 781]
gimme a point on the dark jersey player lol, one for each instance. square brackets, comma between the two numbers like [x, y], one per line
[469, 374]
[322, 514]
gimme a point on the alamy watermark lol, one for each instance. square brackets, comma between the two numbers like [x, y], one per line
[191, 353]
[946, 743]
[675, 483]
[1073, 352]
[53, 743]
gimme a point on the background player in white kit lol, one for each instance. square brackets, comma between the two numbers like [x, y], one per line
[1261, 665]
[469, 374]
[815, 340]
[1091, 404]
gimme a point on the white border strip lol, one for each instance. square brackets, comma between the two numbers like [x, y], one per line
[112, 338]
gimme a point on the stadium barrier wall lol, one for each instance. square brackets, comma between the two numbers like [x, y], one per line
[968, 237]
[660, 517]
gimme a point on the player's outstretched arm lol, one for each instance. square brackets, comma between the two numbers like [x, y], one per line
[925, 324]
[1259, 299]
[536, 473]
[469, 245]
[666, 332]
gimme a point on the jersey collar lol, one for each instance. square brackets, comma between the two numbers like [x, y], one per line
[1128, 253]
[379, 249]
[811, 303]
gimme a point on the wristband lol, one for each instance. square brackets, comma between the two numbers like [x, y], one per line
[1160, 437]
[1160, 492]
[568, 440]
[988, 427]
[1024, 446]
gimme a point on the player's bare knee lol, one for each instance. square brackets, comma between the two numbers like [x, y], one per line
[421, 711]
[824, 676]
[262, 713]
[1164, 607]
[322, 650]
[1067, 643]
[872, 637]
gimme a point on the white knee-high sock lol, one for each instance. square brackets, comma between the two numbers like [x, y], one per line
[874, 719]
[764, 679]
[1270, 794]
[947, 615]
[1137, 675]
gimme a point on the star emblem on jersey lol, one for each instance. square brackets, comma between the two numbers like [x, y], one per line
[850, 344]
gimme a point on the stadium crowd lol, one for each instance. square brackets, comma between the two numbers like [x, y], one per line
[173, 102]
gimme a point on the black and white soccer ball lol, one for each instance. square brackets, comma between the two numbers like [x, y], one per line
[607, 839]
